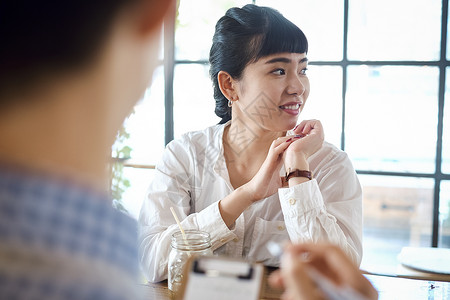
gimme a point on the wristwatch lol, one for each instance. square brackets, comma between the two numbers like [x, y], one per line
[298, 173]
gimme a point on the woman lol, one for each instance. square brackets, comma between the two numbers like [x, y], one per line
[229, 179]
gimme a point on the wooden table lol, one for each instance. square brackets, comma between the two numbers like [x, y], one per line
[388, 287]
[402, 271]
[434, 260]
[424, 263]
[160, 291]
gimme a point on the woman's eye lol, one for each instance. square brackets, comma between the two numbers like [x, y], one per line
[279, 72]
[303, 72]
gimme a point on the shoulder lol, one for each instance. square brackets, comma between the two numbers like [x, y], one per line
[195, 142]
[330, 150]
[206, 135]
[329, 155]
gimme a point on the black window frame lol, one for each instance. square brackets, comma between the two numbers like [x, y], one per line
[170, 62]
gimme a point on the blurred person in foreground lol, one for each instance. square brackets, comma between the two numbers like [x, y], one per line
[70, 72]
[303, 265]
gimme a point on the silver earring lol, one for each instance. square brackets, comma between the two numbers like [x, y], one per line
[230, 103]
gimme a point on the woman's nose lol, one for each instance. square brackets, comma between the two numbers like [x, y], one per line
[296, 85]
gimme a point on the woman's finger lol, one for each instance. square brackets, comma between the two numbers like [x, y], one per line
[281, 144]
[307, 126]
[281, 140]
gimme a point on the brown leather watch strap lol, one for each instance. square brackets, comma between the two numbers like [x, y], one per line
[298, 173]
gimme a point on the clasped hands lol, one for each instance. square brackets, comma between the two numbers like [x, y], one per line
[293, 152]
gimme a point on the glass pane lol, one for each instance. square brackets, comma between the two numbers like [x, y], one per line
[391, 118]
[325, 100]
[133, 196]
[397, 213]
[195, 25]
[146, 124]
[448, 36]
[321, 21]
[394, 30]
[444, 215]
[193, 99]
[446, 129]
[161, 45]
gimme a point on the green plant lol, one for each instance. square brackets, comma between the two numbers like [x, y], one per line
[119, 183]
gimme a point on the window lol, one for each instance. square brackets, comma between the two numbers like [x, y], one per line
[391, 117]
[378, 73]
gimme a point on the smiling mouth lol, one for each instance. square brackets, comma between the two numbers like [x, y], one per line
[290, 107]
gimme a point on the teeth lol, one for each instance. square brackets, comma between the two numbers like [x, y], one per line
[293, 107]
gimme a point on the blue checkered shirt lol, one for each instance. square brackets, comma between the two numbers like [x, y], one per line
[59, 240]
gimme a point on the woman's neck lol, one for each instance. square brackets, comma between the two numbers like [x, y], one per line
[245, 144]
[245, 150]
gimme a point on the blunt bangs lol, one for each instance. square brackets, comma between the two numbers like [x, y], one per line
[281, 35]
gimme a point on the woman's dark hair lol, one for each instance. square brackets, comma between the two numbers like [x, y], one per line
[41, 37]
[243, 36]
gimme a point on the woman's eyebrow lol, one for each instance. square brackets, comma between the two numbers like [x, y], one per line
[284, 60]
[304, 59]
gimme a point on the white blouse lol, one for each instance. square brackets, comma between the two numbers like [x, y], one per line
[192, 177]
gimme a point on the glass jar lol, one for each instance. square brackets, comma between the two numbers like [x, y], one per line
[195, 242]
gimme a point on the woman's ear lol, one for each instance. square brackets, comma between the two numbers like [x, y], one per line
[227, 85]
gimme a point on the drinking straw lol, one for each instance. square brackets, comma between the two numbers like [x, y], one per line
[179, 225]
